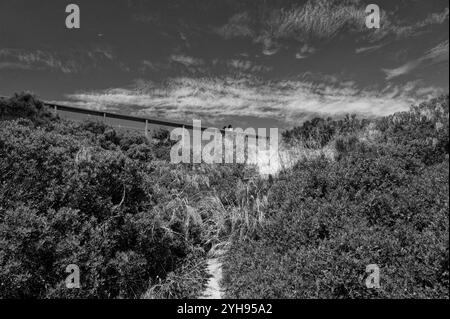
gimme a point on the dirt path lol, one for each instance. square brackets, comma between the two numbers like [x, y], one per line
[213, 288]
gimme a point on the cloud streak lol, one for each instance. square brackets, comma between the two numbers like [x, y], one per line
[213, 100]
[315, 20]
[66, 62]
[320, 20]
[437, 54]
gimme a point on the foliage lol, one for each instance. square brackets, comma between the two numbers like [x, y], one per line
[109, 201]
[101, 198]
[383, 201]
[24, 105]
[318, 132]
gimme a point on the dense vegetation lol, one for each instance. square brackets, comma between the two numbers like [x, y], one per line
[105, 200]
[138, 226]
[384, 200]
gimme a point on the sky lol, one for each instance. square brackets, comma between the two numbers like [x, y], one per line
[256, 63]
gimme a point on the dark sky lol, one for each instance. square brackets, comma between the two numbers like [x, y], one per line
[249, 63]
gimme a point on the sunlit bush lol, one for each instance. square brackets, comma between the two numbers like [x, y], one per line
[383, 202]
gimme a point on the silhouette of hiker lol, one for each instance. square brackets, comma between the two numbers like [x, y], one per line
[227, 128]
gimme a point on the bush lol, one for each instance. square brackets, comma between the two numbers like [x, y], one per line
[87, 194]
[384, 202]
[138, 226]
[24, 105]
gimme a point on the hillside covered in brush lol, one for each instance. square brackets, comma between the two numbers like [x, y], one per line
[139, 227]
[106, 200]
[382, 199]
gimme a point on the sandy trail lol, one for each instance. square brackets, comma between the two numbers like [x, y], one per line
[213, 288]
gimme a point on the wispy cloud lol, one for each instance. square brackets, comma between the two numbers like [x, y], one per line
[437, 54]
[65, 62]
[36, 59]
[13, 66]
[313, 20]
[239, 25]
[186, 60]
[369, 48]
[321, 20]
[391, 26]
[401, 70]
[247, 66]
[305, 51]
[213, 99]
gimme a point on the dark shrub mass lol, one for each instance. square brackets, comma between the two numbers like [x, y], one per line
[100, 198]
[138, 226]
[383, 201]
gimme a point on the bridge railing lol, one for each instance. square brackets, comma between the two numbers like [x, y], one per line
[139, 123]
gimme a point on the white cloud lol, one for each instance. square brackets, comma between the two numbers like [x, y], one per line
[321, 20]
[65, 62]
[237, 26]
[401, 70]
[305, 51]
[439, 53]
[37, 59]
[13, 66]
[186, 60]
[435, 55]
[184, 99]
[247, 66]
[390, 26]
[368, 49]
[434, 18]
